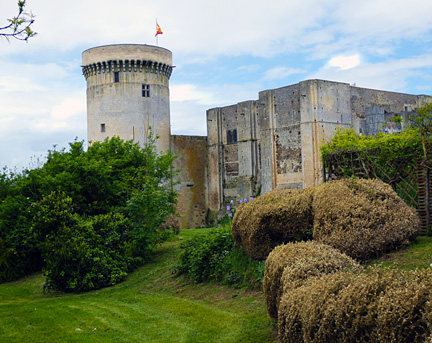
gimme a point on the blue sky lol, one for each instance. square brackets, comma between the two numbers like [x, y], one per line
[224, 52]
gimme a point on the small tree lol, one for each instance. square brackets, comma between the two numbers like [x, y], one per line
[20, 26]
[422, 121]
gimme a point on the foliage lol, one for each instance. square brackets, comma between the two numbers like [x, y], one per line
[112, 179]
[216, 257]
[80, 254]
[277, 217]
[421, 121]
[148, 209]
[20, 26]
[383, 147]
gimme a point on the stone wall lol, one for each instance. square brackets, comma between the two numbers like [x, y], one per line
[274, 142]
[191, 164]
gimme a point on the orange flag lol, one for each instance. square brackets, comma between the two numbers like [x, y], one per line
[158, 30]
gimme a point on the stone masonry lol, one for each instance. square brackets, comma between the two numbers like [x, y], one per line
[251, 147]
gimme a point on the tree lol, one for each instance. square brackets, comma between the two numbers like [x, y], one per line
[20, 26]
[421, 120]
[92, 216]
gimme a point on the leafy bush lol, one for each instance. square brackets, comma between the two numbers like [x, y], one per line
[289, 266]
[377, 306]
[277, 217]
[71, 200]
[215, 257]
[80, 254]
[362, 218]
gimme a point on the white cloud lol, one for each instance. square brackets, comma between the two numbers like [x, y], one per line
[68, 108]
[190, 92]
[345, 62]
[279, 73]
[390, 75]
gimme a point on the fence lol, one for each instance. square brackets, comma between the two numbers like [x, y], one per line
[411, 180]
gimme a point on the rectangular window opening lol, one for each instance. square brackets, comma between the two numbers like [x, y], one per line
[145, 91]
[103, 127]
[116, 77]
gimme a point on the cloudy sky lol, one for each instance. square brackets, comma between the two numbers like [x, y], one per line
[225, 51]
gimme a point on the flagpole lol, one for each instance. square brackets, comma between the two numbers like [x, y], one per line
[157, 42]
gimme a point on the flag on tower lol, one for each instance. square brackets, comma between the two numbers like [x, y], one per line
[158, 30]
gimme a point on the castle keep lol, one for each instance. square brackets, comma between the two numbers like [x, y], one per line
[250, 147]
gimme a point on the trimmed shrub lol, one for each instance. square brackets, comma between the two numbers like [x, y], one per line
[290, 266]
[362, 218]
[277, 217]
[377, 306]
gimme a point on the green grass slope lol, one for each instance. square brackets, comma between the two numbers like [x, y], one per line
[151, 306]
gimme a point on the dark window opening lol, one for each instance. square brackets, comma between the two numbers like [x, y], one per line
[232, 136]
[103, 127]
[145, 91]
[116, 77]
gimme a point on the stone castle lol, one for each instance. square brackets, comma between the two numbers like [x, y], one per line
[251, 147]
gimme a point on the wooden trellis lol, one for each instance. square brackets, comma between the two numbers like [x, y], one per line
[412, 181]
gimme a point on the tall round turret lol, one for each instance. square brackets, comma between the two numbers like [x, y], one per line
[128, 92]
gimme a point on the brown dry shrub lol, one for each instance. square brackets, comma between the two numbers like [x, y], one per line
[378, 306]
[362, 218]
[172, 222]
[277, 217]
[289, 266]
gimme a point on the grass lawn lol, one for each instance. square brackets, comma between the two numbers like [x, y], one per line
[150, 306]
[153, 306]
[417, 255]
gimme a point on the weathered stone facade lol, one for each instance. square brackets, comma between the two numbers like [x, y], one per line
[280, 134]
[251, 147]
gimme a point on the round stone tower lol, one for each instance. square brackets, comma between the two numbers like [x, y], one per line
[128, 92]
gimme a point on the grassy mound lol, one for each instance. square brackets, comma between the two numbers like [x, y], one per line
[289, 266]
[277, 217]
[378, 306]
[362, 218]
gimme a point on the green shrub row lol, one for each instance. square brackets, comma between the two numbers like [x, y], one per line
[214, 256]
[86, 217]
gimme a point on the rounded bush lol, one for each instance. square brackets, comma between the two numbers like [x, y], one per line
[362, 218]
[377, 306]
[290, 266]
[277, 217]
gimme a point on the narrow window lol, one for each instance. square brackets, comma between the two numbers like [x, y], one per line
[145, 91]
[103, 127]
[229, 137]
[116, 77]
[234, 136]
